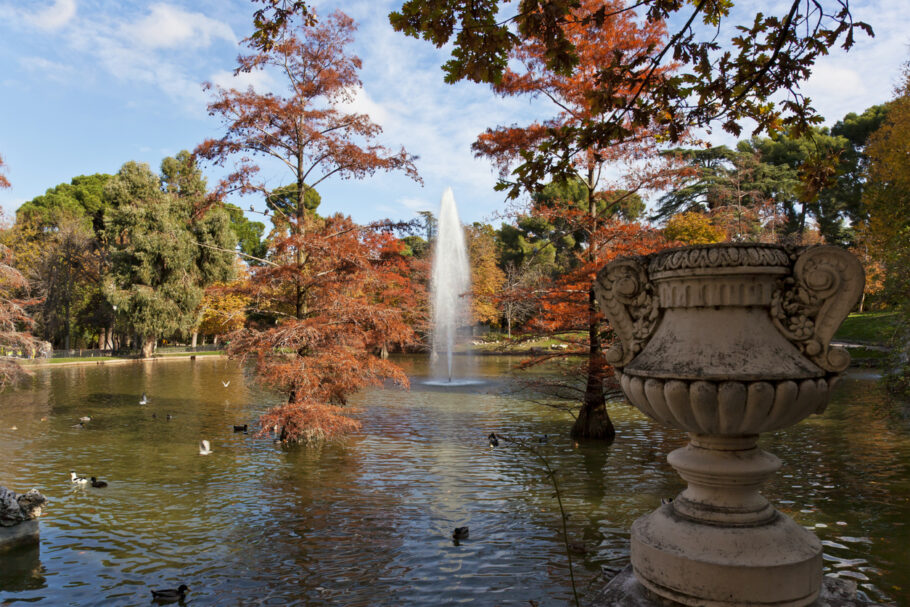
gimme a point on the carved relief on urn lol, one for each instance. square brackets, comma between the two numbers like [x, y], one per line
[725, 342]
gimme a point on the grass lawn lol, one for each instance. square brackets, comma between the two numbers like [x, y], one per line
[868, 328]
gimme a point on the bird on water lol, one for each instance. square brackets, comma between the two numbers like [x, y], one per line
[204, 447]
[98, 484]
[170, 594]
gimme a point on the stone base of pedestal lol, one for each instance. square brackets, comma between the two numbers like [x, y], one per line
[625, 590]
[777, 564]
[25, 532]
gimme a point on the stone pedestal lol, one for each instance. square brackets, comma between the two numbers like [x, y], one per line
[625, 590]
[724, 342]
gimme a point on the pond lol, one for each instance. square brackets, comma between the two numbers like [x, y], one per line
[369, 520]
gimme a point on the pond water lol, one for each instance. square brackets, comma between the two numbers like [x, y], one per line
[369, 520]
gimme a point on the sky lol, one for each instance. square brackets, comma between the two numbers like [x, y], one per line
[87, 85]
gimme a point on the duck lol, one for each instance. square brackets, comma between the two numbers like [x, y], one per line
[225, 383]
[77, 480]
[204, 448]
[144, 400]
[85, 418]
[242, 428]
[494, 442]
[98, 484]
[170, 594]
[460, 533]
[79, 426]
[169, 417]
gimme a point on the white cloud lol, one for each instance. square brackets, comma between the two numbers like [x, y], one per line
[167, 27]
[53, 17]
[51, 69]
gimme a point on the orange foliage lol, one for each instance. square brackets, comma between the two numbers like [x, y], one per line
[328, 292]
[352, 284]
[565, 305]
[576, 98]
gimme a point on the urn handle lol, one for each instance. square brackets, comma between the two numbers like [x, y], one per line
[626, 297]
[811, 304]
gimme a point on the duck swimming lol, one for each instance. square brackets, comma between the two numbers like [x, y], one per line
[77, 480]
[144, 400]
[170, 594]
[225, 383]
[204, 448]
[98, 484]
[242, 428]
[85, 418]
[494, 442]
[460, 533]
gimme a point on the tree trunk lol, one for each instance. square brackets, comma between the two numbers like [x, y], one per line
[215, 341]
[384, 351]
[862, 300]
[148, 347]
[195, 337]
[593, 421]
[102, 338]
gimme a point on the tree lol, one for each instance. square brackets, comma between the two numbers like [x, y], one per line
[304, 130]
[693, 228]
[352, 312]
[719, 80]
[886, 200]
[576, 202]
[82, 197]
[68, 273]
[486, 276]
[13, 316]
[325, 314]
[160, 260]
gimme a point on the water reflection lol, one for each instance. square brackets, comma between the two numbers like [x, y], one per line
[368, 521]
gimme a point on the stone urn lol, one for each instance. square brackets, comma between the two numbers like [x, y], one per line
[725, 342]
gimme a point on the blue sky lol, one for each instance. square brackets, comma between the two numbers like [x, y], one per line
[86, 85]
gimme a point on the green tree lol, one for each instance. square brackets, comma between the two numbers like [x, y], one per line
[82, 197]
[160, 259]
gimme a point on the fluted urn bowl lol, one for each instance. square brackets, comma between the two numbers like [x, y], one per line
[729, 339]
[725, 342]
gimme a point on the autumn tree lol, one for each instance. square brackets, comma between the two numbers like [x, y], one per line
[486, 276]
[693, 228]
[326, 313]
[886, 200]
[581, 202]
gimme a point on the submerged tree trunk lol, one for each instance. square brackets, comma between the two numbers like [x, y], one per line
[593, 421]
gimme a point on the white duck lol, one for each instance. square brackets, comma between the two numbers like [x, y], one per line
[77, 480]
[204, 448]
[144, 400]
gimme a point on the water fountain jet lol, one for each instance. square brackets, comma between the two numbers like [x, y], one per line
[450, 285]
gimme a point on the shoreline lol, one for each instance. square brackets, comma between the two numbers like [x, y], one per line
[104, 360]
